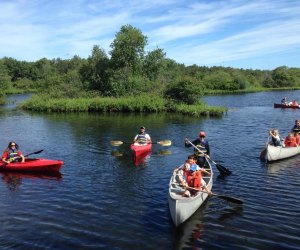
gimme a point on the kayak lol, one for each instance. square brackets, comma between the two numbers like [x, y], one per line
[139, 150]
[284, 106]
[33, 165]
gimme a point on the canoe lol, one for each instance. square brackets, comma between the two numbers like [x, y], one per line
[139, 150]
[283, 106]
[182, 208]
[279, 153]
[33, 165]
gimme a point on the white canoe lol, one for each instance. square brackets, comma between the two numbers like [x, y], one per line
[181, 208]
[278, 153]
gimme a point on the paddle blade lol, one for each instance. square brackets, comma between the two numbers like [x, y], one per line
[230, 199]
[263, 154]
[165, 143]
[223, 170]
[34, 153]
[116, 143]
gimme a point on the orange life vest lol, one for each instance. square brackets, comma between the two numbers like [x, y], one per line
[290, 142]
[194, 179]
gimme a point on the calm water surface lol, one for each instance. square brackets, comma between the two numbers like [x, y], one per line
[102, 199]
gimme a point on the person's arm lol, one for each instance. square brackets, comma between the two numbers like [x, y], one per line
[148, 138]
[135, 138]
[205, 171]
[181, 180]
[22, 156]
[188, 145]
[4, 156]
[207, 149]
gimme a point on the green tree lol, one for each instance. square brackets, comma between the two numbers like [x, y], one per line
[128, 50]
[154, 64]
[186, 90]
[94, 72]
[5, 82]
[283, 78]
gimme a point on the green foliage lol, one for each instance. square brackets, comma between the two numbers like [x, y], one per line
[283, 78]
[5, 79]
[154, 64]
[129, 74]
[143, 103]
[93, 72]
[187, 90]
[128, 50]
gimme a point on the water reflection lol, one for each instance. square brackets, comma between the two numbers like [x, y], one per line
[231, 213]
[141, 159]
[14, 179]
[276, 167]
[190, 231]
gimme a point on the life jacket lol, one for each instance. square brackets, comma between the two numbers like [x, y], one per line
[12, 154]
[290, 142]
[141, 138]
[296, 129]
[194, 180]
[202, 147]
[297, 139]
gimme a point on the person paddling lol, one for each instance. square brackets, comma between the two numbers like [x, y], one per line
[12, 153]
[202, 145]
[142, 137]
[190, 175]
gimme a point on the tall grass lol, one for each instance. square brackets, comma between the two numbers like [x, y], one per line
[123, 104]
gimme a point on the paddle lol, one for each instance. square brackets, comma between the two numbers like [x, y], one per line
[34, 153]
[162, 143]
[221, 168]
[263, 153]
[17, 157]
[223, 197]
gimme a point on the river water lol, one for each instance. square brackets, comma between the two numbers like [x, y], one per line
[103, 199]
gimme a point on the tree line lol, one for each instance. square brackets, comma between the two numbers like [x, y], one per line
[128, 70]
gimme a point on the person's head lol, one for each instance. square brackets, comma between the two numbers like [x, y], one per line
[191, 159]
[297, 122]
[13, 145]
[291, 135]
[275, 132]
[142, 129]
[187, 166]
[201, 135]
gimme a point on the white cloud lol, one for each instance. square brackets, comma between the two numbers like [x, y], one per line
[193, 32]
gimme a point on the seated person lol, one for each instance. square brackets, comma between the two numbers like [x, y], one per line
[295, 103]
[283, 101]
[296, 127]
[142, 137]
[290, 140]
[275, 138]
[190, 175]
[12, 153]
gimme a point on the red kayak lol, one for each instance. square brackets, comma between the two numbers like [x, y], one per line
[33, 165]
[142, 149]
[284, 106]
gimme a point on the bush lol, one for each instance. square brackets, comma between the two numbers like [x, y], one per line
[186, 90]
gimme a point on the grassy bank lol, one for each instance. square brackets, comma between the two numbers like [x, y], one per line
[249, 90]
[124, 104]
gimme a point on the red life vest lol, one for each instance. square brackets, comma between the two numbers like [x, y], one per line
[194, 179]
[290, 142]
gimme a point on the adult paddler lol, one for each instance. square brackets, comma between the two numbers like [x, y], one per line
[202, 144]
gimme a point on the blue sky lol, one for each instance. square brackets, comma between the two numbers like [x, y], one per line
[257, 34]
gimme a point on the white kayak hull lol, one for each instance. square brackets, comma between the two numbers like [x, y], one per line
[182, 208]
[280, 153]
